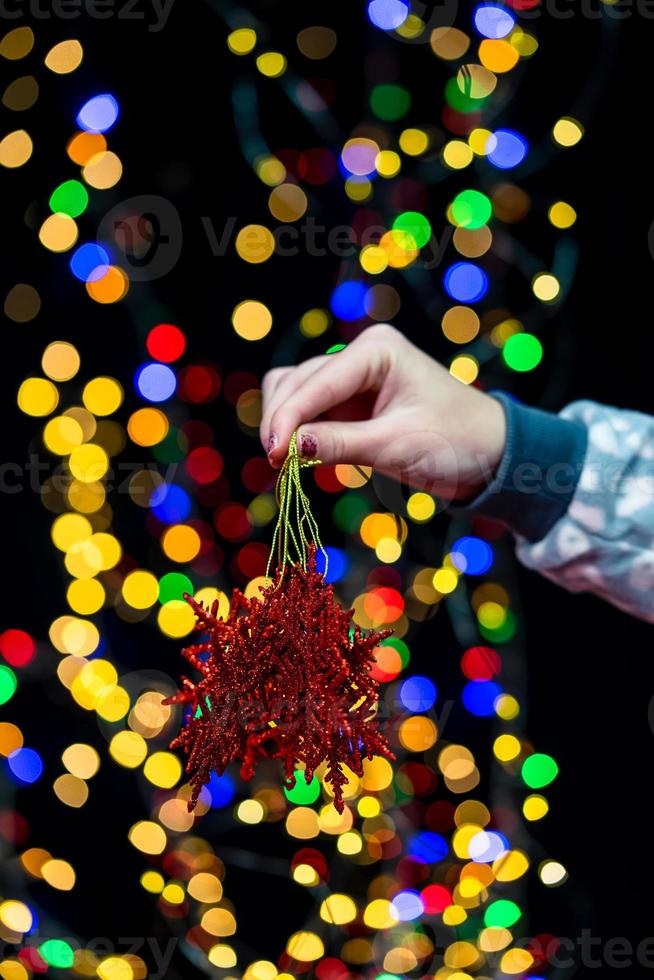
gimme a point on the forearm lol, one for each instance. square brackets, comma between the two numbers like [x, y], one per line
[578, 492]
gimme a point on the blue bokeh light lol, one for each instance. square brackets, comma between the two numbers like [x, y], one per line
[428, 847]
[388, 14]
[465, 282]
[506, 149]
[25, 765]
[348, 300]
[337, 564]
[155, 382]
[479, 697]
[222, 790]
[418, 693]
[493, 21]
[471, 555]
[407, 905]
[170, 504]
[487, 846]
[98, 114]
[90, 262]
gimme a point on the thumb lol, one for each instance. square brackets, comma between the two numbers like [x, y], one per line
[341, 442]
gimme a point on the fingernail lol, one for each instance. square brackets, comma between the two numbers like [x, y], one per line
[308, 445]
[272, 442]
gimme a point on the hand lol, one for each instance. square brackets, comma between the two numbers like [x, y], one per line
[382, 402]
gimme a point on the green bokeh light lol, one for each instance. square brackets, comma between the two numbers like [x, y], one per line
[173, 585]
[415, 225]
[301, 792]
[390, 102]
[57, 953]
[70, 198]
[471, 209]
[349, 511]
[503, 914]
[539, 770]
[522, 352]
[8, 683]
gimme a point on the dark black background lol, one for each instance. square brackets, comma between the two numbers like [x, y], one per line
[590, 671]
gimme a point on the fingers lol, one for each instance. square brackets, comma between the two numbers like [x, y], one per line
[277, 386]
[358, 368]
[343, 442]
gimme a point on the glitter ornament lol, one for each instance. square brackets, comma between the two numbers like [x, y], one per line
[285, 676]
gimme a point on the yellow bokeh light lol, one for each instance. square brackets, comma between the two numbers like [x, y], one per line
[153, 882]
[85, 596]
[140, 589]
[176, 618]
[465, 368]
[37, 397]
[103, 170]
[242, 41]
[60, 361]
[88, 463]
[62, 434]
[338, 909]
[546, 287]
[498, 56]
[287, 202]
[71, 790]
[255, 244]
[15, 149]
[17, 44]
[163, 769]
[222, 956]
[413, 142]
[148, 837]
[507, 748]
[535, 807]
[15, 916]
[305, 946]
[460, 324]
[59, 874]
[445, 580]
[314, 322]
[373, 259]
[103, 396]
[562, 215]
[128, 749]
[272, 64]
[81, 760]
[58, 233]
[456, 155]
[115, 968]
[379, 914]
[388, 163]
[567, 131]
[252, 320]
[64, 57]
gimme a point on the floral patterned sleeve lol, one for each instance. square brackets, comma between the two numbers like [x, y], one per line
[577, 490]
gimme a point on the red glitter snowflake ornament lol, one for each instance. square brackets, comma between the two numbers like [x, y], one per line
[285, 676]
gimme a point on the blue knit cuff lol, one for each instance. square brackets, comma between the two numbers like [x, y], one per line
[538, 473]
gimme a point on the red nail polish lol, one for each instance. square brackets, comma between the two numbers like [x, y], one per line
[272, 442]
[308, 445]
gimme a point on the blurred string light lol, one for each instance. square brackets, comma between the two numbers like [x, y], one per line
[455, 861]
